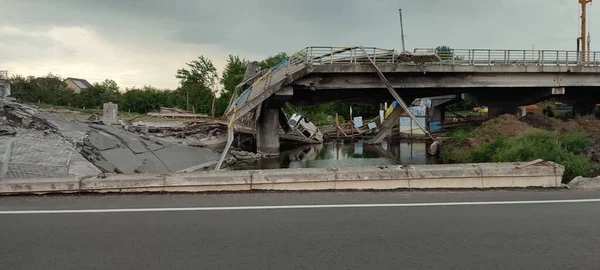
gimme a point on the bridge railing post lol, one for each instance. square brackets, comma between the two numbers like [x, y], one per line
[557, 58]
[524, 57]
[453, 55]
[489, 57]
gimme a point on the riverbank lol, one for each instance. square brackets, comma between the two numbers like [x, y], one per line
[574, 144]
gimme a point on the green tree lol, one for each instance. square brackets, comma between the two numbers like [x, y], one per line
[145, 100]
[273, 60]
[447, 53]
[196, 83]
[233, 74]
[99, 93]
[49, 89]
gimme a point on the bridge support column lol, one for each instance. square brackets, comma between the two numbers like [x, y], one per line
[267, 131]
[438, 105]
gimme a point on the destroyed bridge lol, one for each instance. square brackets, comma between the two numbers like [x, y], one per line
[500, 79]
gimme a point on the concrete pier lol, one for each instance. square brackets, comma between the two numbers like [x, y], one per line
[267, 132]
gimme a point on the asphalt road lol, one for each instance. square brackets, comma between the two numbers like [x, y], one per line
[304, 231]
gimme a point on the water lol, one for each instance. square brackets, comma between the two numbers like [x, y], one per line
[335, 155]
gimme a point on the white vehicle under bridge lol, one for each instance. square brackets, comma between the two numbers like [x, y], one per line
[302, 126]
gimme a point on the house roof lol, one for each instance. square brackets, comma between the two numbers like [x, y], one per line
[81, 83]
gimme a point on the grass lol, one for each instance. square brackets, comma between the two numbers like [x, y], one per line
[566, 149]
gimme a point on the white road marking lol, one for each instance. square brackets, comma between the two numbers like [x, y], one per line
[278, 207]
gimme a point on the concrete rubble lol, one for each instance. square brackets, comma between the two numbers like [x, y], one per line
[584, 183]
[115, 150]
[97, 148]
[202, 134]
[50, 135]
[176, 113]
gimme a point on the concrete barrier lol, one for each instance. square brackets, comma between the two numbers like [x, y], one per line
[40, 186]
[209, 181]
[501, 175]
[125, 183]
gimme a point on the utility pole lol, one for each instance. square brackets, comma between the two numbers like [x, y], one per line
[583, 38]
[402, 30]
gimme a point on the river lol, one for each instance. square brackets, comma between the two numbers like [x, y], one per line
[335, 155]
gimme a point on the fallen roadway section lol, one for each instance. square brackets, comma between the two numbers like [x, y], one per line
[468, 176]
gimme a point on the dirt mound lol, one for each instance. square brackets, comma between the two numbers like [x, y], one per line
[591, 126]
[503, 126]
[542, 122]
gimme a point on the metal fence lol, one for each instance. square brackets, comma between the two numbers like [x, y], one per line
[21, 160]
[489, 57]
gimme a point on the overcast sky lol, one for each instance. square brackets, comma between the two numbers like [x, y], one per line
[144, 42]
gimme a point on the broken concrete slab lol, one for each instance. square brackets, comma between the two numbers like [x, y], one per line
[105, 166]
[102, 140]
[137, 146]
[149, 163]
[182, 157]
[124, 160]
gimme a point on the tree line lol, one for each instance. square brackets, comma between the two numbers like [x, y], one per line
[199, 88]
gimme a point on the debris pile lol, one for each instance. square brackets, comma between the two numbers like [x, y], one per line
[201, 134]
[40, 139]
[244, 155]
[176, 113]
[115, 150]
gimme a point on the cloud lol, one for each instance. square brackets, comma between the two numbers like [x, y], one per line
[145, 42]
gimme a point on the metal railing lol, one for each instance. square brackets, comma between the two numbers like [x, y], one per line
[22, 160]
[489, 57]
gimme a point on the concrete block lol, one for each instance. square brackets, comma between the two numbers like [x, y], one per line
[584, 183]
[110, 113]
[39, 185]
[129, 183]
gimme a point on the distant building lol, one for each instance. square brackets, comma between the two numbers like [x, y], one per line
[77, 84]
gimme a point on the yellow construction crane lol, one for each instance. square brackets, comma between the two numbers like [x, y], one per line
[585, 44]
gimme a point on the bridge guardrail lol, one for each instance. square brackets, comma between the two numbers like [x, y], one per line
[491, 57]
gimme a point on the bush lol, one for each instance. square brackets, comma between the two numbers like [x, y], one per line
[461, 134]
[566, 150]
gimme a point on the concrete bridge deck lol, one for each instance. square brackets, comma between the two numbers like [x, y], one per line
[501, 79]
